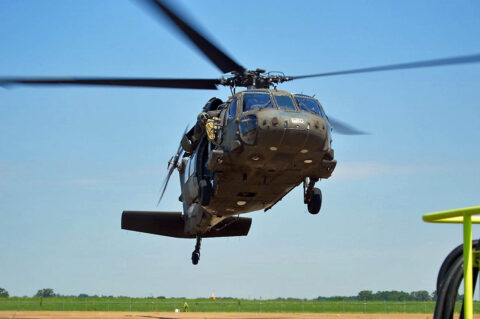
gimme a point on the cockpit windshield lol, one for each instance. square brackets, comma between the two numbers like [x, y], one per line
[285, 102]
[309, 105]
[255, 101]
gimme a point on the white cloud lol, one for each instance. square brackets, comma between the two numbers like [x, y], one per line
[90, 181]
[361, 170]
[110, 177]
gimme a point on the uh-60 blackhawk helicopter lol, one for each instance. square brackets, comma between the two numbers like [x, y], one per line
[243, 154]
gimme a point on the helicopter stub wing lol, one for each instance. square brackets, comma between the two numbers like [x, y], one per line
[172, 224]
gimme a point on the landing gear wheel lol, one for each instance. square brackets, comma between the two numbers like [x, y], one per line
[195, 258]
[315, 202]
[205, 194]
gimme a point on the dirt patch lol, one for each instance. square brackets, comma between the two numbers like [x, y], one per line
[201, 315]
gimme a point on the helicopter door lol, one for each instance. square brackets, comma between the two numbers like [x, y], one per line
[191, 186]
[230, 126]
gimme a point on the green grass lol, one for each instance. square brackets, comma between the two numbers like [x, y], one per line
[224, 305]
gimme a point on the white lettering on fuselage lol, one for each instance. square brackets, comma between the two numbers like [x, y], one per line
[296, 120]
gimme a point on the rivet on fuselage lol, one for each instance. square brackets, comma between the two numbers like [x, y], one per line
[308, 161]
[304, 151]
[241, 203]
[273, 148]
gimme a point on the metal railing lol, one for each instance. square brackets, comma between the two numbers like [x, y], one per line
[466, 217]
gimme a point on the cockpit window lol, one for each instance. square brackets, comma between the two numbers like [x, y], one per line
[309, 105]
[232, 111]
[285, 102]
[255, 101]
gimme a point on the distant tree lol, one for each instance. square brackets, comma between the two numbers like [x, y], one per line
[82, 296]
[3, 293]
[46, 293]
[365, 295]
[434, 295]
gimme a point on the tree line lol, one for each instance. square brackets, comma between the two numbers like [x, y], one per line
[364, 295]
[394, 295]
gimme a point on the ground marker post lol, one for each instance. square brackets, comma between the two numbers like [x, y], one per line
[462, 216]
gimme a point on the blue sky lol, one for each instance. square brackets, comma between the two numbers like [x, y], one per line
[71, 159]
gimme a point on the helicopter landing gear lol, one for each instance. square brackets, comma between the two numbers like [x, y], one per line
[312, 196]
[196, 252]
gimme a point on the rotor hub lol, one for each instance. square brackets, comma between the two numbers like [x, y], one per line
[253, 79]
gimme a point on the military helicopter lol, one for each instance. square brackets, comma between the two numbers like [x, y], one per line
[245, 153]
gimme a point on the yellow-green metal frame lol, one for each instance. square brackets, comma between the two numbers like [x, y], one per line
[466, 217]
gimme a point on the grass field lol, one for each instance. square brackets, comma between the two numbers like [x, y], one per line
[204, 315]
[223, 305]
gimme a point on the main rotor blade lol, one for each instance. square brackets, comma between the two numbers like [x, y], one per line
[344, 128]
[205, 84]
[475, 58]
[212, 52]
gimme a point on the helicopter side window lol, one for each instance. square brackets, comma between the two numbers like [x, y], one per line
[256, 101]
[191, 165]
[285, 102]
[232, 111]
[309, 105]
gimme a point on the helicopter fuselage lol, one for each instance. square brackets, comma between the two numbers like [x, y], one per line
[258, 154]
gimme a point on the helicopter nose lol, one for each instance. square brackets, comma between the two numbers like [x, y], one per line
[292, 134]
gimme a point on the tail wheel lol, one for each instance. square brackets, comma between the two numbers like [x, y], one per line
[196, 252]
[315, 202]
[195, 257]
